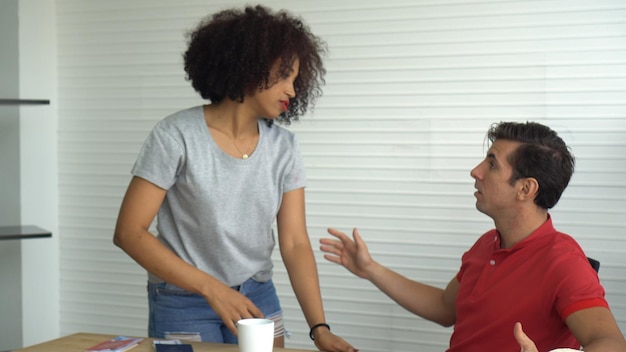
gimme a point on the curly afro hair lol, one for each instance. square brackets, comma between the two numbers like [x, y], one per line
[230, 53]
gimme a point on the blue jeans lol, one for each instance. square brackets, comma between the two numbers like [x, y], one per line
[174, 311]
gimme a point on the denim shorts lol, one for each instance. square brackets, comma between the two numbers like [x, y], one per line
[174, 311]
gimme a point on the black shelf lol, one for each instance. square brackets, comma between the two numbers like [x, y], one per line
[24, 102]
[23, 232]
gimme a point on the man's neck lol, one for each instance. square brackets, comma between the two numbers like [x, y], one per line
[516, 228]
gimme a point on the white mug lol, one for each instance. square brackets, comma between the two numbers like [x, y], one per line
[255, 335]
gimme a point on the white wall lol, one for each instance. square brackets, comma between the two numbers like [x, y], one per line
[10, 251]
[412, 87]
[39, 170]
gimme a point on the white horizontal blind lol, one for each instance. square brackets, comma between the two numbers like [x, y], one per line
[412, 87]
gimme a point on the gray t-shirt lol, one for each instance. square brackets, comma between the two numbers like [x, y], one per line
[219, 211]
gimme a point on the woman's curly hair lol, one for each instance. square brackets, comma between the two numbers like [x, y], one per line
[230, 53]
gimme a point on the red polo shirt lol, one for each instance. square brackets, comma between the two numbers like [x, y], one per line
[538, 282]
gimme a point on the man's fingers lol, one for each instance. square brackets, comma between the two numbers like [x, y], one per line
[358, 240]
[357, 237]
[330, 250]
[526, 344]
[340, 235]
[332, 258]
[331, 244]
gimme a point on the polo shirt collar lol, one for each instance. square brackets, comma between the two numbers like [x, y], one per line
[542, 234]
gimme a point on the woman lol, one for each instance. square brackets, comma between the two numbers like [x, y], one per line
[217, 177]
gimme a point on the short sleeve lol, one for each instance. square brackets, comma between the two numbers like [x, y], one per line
[578, 286]
[161, 157]
[296, 176]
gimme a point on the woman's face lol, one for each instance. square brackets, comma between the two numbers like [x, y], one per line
[274, 100]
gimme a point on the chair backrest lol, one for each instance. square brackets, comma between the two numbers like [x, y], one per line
[594, 264]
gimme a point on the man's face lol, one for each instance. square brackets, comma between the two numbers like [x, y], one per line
[495, 196]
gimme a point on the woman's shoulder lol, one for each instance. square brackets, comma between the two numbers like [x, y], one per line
[180, 122]
[277, 132]
[184, 116]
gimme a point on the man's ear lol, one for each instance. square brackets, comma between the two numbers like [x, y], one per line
[529, 188]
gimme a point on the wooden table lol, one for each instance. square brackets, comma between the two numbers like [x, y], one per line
[80, 341]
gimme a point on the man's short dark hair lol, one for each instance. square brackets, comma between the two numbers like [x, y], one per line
[543, 156]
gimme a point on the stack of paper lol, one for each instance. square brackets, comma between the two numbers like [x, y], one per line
[116, 344]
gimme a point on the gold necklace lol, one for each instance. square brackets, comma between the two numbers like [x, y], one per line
[244, 155]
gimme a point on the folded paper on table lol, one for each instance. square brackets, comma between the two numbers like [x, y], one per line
[116, 344]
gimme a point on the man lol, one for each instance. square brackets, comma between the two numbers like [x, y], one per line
[521, 284]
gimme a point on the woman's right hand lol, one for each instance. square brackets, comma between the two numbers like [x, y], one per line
[231, 305]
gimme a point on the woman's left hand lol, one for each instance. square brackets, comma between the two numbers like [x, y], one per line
[327, 341]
